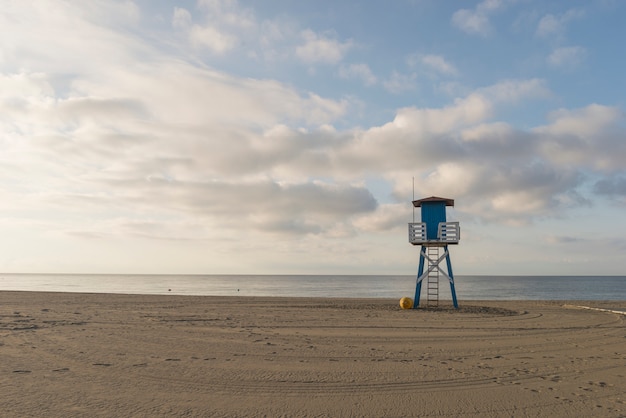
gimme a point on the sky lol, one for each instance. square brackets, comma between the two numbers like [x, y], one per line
[290, 137]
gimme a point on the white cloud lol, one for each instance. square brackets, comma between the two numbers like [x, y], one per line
[476, 21]
[225, 25]
[358, 71]
[439, 64]
[468, 110]
[567, 57]
[181, 18]
[165, 129]
[512, 91]
[210, 37]
[130, 10]
[555, 26]
[228, 12]
[586, 122]
[120, 13]
[589, 137]
[24, 87]
[514, 192]
[471, 22]
[217, 6]
[318, 48]
[399, 83]
[492, 132]
[60, 37]
[385, 218]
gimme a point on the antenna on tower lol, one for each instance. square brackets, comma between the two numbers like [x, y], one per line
[413, 199]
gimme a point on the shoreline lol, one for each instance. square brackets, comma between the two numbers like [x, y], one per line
[330, 298]
[94, 354]
[373, 286]
[616, 306]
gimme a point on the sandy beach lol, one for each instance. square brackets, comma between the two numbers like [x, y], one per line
[97, 355]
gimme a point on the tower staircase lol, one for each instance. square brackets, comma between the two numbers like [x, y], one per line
[432, 281]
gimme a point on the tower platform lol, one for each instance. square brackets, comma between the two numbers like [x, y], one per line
[448, 233]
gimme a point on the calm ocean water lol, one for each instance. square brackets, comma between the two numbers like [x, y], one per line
[467, 287]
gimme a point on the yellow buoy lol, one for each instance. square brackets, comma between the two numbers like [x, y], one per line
[406, 303]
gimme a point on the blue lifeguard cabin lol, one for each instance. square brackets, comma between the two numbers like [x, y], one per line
[432, 234]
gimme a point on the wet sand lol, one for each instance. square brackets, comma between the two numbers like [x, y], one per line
[97, 355]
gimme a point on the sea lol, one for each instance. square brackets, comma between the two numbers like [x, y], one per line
[330, 286]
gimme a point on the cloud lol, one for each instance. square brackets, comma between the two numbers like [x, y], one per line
[135, 138]
[500, 173]
[555, 26]
[385, 218]
[181, 18]
[553, 239]
[611, 186]
[513, 91]
[224, 25]
[476, 22]
[122, 141]
[471, 22]
[215, 34]
[23, 88]
[514, 191]
[211, 38]
[567, 57]
[584, 122]
[262, 205]
[439, 64]
[141, 142]
[228, 13]
[319, 48]
[588, 137]
[147, 229]
[399, 83]
[60, 37]
[358, 71]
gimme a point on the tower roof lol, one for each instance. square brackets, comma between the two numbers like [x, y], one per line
[448, 202]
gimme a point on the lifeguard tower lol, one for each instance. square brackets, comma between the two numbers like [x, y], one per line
[433, 234]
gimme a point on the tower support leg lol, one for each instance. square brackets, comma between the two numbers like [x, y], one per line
[451, 278]
[418, 286]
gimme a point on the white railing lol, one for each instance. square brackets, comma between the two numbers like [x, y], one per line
[449, 232]
[417, 232]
